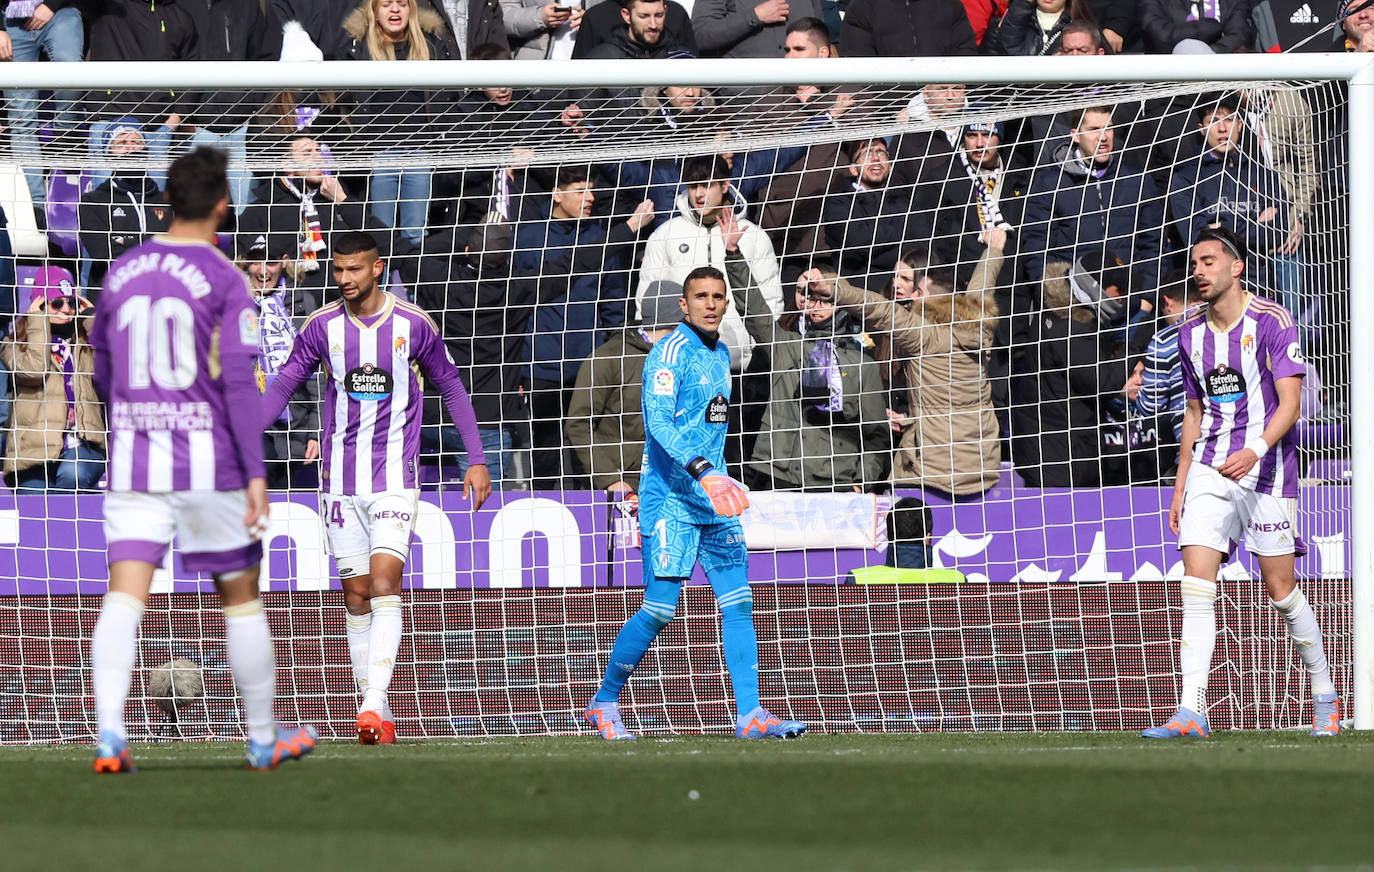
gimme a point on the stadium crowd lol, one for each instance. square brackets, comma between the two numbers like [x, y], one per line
[914, 310]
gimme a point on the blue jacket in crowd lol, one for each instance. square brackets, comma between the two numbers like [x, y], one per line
[1073, 209]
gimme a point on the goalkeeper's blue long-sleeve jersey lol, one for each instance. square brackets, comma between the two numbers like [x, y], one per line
[686, 403]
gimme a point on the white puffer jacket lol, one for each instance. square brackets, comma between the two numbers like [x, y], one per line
[683, 243]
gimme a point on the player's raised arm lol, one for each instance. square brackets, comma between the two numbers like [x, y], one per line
[440, 369]
[300, 365]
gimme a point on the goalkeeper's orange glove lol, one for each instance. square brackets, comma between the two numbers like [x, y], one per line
[727, 496]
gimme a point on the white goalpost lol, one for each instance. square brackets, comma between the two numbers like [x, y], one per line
[1060, 610]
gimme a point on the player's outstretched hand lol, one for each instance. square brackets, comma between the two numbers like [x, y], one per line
[728, 497]
[477, 485]
[255, 519]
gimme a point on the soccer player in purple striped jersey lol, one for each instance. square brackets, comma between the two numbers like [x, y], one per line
[1238, 472]
[175, 336]
[366, 344]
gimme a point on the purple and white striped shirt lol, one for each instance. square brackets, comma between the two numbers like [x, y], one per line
[1233, 374]
[373, 406]
[175, 334]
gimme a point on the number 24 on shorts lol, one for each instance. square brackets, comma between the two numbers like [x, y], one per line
[336, 513]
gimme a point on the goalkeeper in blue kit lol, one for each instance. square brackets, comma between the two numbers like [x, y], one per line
[689, 510]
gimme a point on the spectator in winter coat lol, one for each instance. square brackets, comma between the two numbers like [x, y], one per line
[985, 189]
[1034, 27]
[953, 444]
[692, 238]
[542, 29]
[906, 28]
[305, 203]
[580, 272]
[607, 21]
[1064, 373]
[1224, 186]
[291, 447]
[135, 30]
[125, 209]
[463, 278]
[54, 29]
[746, 29]
[825, 427]
[231, 30]
[1222, 24]
[605, 424]
[56, 440]
[869, 221]
[1091, 200]
[466, 24]
[397, 30]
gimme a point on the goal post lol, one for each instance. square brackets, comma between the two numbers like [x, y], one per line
[494, 652]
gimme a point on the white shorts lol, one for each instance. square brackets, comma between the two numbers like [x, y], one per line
[207, 525]
[1217, 510]
[359, 526]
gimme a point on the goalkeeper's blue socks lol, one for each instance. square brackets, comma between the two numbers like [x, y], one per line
[639, 632]
[736, 602]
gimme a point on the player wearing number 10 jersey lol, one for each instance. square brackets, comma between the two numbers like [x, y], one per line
[367, 343]
[175, 337]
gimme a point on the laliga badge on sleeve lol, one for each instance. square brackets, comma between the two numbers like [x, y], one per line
[663, 383]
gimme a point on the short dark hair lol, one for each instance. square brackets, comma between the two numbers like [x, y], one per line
[705, 168]
[1228, 238]
[812, 27]
[490, 51]
[196, 181]
[702, 272]
[354, 242]
[854, 146]
[626, 4]
[1177, 285]
[1212, 102]
[1093, 32]
[1082, 113]
[570, 174]
[909, 522]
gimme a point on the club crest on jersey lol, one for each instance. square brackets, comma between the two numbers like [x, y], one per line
[718, 410]
[1246, 341]
[398, 346]
[663, 383]
[248, 328]
[1225, 385]
[367, 383]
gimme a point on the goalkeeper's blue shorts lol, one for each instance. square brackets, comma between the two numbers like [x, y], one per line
[671, 547]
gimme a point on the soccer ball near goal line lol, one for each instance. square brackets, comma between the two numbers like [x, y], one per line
[175, 685]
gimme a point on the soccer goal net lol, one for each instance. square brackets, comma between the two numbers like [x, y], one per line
[960, 435]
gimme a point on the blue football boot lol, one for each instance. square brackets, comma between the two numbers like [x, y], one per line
[761, 724]
[1185, 722]
[290, 744]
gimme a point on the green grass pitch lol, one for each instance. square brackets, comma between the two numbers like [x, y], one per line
[1241, 801]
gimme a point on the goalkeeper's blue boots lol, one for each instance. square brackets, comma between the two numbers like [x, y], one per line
[292, 743]
[1326, 715]
[112, 754]
[1185, 722]
[605, 717]
[761, 724]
